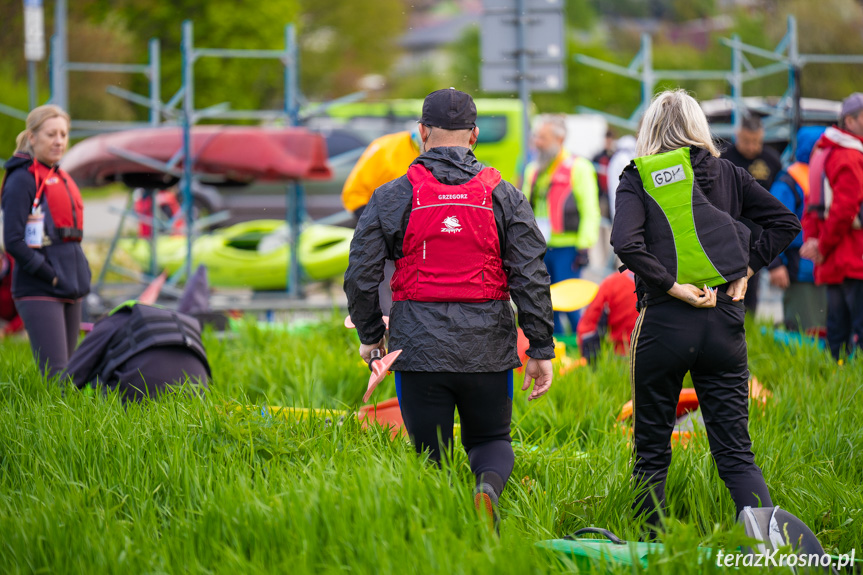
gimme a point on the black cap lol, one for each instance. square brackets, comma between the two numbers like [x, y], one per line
[449, 109]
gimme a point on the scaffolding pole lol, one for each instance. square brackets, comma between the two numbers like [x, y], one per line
[641, 69]
[786, 58]
[289, 114]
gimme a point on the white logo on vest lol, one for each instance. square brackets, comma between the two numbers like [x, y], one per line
[668, 176]
[452, 225]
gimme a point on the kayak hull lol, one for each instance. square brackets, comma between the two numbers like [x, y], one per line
[233, 257]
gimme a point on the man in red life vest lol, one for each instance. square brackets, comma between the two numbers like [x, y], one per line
[464, 242]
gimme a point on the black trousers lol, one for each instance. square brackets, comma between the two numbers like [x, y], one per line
[152, 371]
[484, 400]
[844, 317]
[670, 339]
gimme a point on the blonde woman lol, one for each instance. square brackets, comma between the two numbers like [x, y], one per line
[43, 224]
[677, 227]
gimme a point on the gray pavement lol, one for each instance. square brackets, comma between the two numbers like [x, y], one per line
[100, 217]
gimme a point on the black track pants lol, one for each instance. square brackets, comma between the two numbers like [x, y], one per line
[150, 372]
[53, 328]
[484, 401]
[670, 339]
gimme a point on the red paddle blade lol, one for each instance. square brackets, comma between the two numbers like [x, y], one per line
[380, 368]
[151, 294]
[350, 325]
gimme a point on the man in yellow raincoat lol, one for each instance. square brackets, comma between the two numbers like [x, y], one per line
[386, 159]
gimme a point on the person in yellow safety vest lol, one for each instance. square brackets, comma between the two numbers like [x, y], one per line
[385, 159]
[563, 193]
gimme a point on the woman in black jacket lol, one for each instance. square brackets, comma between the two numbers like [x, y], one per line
[677, 227]
[43, 224]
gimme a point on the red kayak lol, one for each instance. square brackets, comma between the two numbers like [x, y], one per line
[240, 153]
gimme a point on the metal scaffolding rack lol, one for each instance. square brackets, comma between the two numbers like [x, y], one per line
[786, 57]
[161, 113]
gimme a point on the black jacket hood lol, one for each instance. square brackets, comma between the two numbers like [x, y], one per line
[706, 168]
[17, 161]
[451, 165]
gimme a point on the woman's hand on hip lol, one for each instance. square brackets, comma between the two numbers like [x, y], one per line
[696, 297]
[737, 288]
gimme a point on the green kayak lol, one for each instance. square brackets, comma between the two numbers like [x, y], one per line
[589, 553]
[251, 254]
[612, 551]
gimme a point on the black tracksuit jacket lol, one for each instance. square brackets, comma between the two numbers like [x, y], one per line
[639, 224]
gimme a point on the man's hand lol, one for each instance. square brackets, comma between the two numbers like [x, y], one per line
[540, 371]
[696, 297]
[809, 250]
[366, 350]
[779, 277]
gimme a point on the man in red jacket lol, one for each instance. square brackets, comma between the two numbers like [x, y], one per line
[833, 237]
[612, 310]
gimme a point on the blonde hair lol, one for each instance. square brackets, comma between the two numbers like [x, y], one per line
[673, 120]
[35, 119]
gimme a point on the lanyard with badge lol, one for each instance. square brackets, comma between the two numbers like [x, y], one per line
[34, 231]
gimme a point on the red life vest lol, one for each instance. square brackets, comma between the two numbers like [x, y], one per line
[451, 248]
[58, 190]
[167, 203]
[820, 193]
[562, 207]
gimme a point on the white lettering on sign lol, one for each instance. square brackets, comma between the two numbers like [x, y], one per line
[668, 176]
[452, 197]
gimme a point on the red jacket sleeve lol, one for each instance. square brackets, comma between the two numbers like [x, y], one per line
[846, 178]
[811, 225]
[590, 318]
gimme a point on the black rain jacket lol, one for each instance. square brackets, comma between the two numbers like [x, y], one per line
[442, 336]
[640, 225]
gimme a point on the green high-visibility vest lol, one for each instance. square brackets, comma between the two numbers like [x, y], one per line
[130, 303]
[668, 179]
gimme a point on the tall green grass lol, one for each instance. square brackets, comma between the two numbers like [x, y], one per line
[187, 484]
